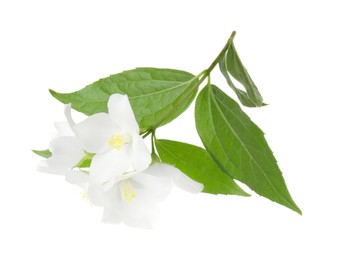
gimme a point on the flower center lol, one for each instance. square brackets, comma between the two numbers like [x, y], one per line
[116, 142]
[127, 193]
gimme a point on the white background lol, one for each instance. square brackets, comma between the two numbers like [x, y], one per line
[289, 48]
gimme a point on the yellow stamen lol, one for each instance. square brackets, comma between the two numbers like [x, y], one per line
[127, 193]
[116, 142]
[85, 198]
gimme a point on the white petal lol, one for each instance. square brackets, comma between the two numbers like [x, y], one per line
[78, 178]
[66, 153]
[141, 215]
[112, 206]
[109, 166]
[142, 211]
[94, 132]
[186, 183]
[96, 194]
[73, 177]
[153, 187]
[121, 113]
[44, 167]
[141, 157]
[62, 129]
[67, 113]
[180, 179]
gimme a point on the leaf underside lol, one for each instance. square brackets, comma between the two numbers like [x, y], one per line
[231, 64]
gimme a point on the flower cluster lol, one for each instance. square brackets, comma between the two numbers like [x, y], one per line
[106, 156]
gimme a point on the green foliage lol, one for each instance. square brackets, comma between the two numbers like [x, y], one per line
[239, 146]
[196, 163]
[86, 161]
[44, 153]
[157, 96]
[235, 146]
[231, 64]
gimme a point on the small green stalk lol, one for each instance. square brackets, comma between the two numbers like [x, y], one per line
[154, 155]
[201, 77]
[206, 73]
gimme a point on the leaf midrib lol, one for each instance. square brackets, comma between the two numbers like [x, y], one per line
[164, 90]
[244, 147]
[238, 91]
[145, 95]
[134, 97]
[246, 75]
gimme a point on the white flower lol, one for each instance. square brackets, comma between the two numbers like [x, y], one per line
[133, 197]
[114, 138]
[66, 154]
[66, 151]
[120, 178]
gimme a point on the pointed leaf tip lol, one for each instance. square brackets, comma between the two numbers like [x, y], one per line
[43, 153]
[231, 65]
[157, 96]
[239, 145]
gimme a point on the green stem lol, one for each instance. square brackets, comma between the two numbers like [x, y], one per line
[152, 142]
[206, 73]
[201, 77]
[154, 155]
[147, 133]
[217, 59]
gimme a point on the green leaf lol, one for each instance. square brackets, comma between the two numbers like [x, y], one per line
[196, 163]
[43, 153]
[231, 63]
[237, 144]
[85, 161]
[157, 96]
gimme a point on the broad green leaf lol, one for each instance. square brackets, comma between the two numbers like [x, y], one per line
[157, 96]
[231, 64]
[196, 163]
[43, 153]
[237, 144]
